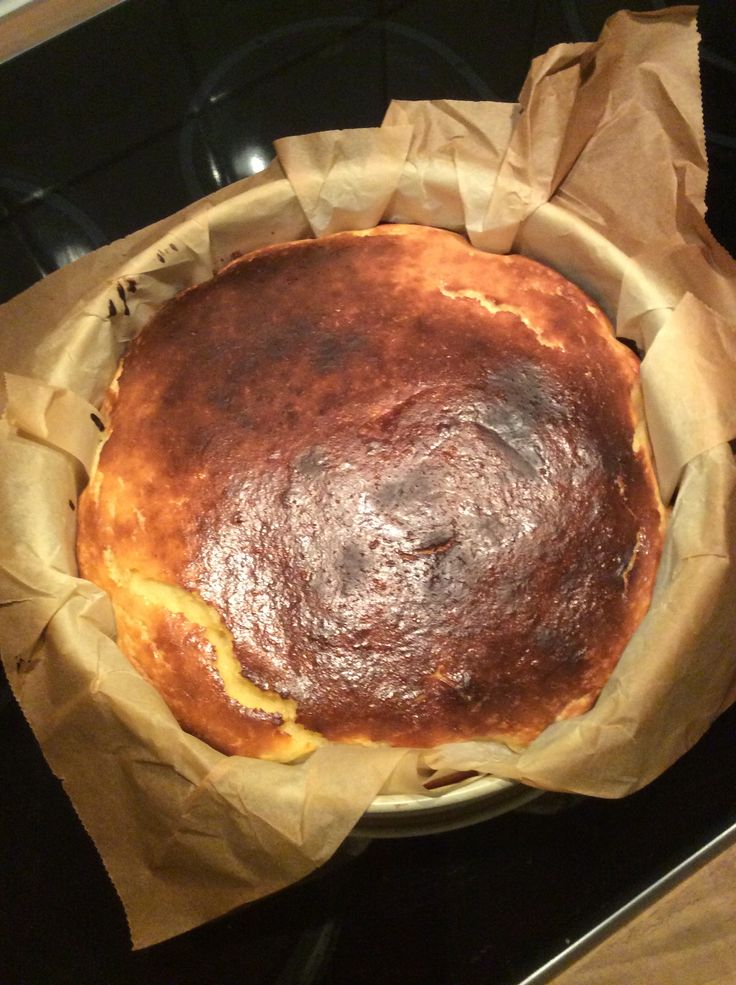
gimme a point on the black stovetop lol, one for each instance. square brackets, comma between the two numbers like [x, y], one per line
[155, 103]
[485, 905]
[126, 119]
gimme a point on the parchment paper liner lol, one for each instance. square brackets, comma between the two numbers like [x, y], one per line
[612, 134]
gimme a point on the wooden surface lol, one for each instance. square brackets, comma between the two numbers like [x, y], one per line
[687, 937]
[39, 20]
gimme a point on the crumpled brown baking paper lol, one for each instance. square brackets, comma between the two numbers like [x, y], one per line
[606, 137]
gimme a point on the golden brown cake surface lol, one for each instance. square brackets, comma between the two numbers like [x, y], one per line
[397, 484]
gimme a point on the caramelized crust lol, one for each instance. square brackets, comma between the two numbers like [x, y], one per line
[399, 485]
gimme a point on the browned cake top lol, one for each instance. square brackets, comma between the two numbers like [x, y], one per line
[401, 473]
